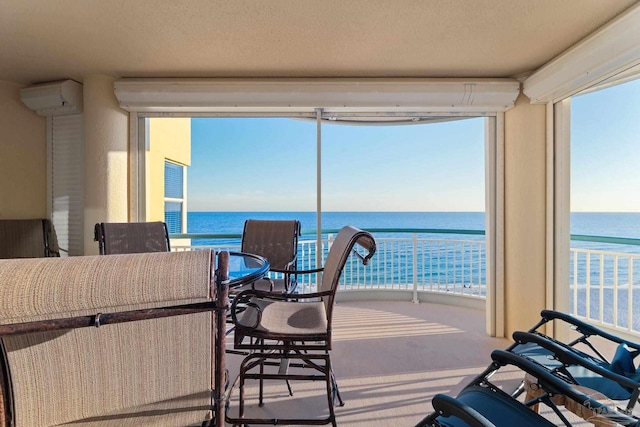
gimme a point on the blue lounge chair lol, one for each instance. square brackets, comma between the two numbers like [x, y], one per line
[615, 377]
[484, 404]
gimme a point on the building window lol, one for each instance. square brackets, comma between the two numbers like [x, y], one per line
[174, 205]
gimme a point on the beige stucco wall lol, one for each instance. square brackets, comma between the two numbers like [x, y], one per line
[169, 139]
[23, 153]
[106, 135]
[525, 215]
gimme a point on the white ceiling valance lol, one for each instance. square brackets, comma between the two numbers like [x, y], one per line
[482, 96]
[606, 55]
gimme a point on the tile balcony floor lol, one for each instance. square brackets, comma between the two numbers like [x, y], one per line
[390, 358]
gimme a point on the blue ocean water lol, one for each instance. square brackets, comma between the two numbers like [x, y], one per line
[232, 222]
[598, 224]
[593, 224]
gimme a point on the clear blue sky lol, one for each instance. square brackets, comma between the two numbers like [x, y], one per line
[268, 164]
[605, 150]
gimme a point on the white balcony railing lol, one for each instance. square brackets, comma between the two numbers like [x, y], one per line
[606, 282]
[455, 267]
[604, 288]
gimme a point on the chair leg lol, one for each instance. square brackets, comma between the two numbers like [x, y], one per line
[334, 382]
[261, 386]
[284, 369]
[332, 390]
[256, 363]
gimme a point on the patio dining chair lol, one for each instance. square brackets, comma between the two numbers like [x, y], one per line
[483, 403]
[27, 238]
[277, 241]
[295, 328]
[131, 237]
[581, 361]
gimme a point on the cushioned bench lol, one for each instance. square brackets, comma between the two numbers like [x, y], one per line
[105, 341]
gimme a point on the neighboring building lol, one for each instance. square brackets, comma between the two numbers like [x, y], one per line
[168, 156]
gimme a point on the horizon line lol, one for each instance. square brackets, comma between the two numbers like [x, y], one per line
[381, 211]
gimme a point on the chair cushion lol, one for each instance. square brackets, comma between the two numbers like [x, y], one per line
[622, 361]
[288, 317]
[498, 408]
[590, 379]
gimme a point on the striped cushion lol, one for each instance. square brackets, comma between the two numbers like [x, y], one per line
[152, 372]
[87, 374]
[50, 288]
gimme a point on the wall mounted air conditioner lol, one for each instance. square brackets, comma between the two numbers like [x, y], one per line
[54, 99]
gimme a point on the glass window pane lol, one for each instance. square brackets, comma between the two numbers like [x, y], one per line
[173, 216]
[173, 180]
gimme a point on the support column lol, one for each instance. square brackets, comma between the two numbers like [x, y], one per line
[558, 192]
[525, 215]
[106, 158]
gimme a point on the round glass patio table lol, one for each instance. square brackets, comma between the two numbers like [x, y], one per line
[246, 268]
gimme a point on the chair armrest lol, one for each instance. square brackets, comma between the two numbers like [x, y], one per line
[282, 270]
[584, 328]
[276, 296]
[448, 406]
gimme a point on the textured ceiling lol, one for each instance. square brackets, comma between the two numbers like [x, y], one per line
[56, 39]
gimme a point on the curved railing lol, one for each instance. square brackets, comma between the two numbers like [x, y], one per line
[418, 263]
[604, 281]
[214, 236]
[604, 274]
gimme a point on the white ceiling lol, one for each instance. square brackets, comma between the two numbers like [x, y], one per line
[57, 39]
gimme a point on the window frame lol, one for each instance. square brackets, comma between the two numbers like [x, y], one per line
[182, 201]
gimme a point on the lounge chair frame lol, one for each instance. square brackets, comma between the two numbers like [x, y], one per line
[565, 359]
[473, 410]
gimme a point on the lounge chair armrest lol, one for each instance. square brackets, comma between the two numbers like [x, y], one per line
[447, 406]
[585, 328]
[568, 357]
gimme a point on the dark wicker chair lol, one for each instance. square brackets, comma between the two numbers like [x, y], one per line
[293, 331]
[27, 238]
[277, 241]
[131, 237]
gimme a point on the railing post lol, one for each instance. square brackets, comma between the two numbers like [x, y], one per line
[415, 268]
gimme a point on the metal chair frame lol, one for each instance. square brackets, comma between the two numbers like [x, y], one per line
[131, 237]
[293, 349]
[28, 238]
[277, 241]
[588, 368]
